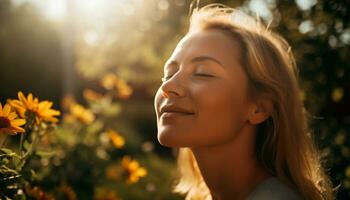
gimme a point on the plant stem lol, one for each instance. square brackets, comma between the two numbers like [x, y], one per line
[28, 153]
[21, 144]
[3, 139]
[31, 147]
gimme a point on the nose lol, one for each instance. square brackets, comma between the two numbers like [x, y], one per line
[173, 87]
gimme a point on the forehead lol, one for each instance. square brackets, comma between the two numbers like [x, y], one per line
[214, 43]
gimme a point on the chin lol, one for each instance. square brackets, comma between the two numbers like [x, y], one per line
[168, 140]
[174, 141]
[165, 140]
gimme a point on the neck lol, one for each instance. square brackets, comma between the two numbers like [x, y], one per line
[231, 170]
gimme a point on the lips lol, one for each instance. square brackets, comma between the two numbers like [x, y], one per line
[173, 110]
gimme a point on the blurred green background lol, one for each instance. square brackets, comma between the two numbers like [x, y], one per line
[57, 47]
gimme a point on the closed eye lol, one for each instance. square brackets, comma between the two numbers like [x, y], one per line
[203, 75]
[196, 74]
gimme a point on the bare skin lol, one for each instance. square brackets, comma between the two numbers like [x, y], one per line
[231, 170]
[203, 104]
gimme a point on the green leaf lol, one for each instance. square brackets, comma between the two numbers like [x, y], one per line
[95, 127]
[45, 154]
[20, 164]
[20, 197]
[7, 151]
[16, 160]
[5, 169]
[26, 145]
[112, 110]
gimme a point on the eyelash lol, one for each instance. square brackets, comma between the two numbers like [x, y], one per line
[204, 75]
[196, 74]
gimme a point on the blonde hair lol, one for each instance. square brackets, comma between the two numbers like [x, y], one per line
[283, 145]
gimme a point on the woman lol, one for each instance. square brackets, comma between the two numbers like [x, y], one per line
[230, 101]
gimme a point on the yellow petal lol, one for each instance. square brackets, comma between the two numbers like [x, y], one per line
[141, 172]
[50, 112]
[51, 119]
[0, 108]
[30, 97]
[15, 103]
[18, 122]
[22, 98]
[21, 112]
[133, 165]
[133, 179]
[6, 110]
[17, 129]
[12, 115]
[45, 105]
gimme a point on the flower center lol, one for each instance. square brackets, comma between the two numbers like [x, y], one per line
[5, 122]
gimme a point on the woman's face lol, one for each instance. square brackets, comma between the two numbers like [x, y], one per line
[203, 99]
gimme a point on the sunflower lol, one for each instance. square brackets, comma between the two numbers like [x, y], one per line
[42, 110]
[9, 123]
[133, 169]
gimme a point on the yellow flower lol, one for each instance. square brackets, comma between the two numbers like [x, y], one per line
[9, 123]
[116, 139]
[123, 89]
[91, 95]
[42, 110]
[133, 169]
[78, 112]
[111, 81]
[108, 81]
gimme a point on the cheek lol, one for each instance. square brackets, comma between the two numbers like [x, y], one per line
[221, 114]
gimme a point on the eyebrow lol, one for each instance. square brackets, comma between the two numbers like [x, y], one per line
[198, 59]
[204, 58]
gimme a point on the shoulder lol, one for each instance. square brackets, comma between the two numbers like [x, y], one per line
[273, 189]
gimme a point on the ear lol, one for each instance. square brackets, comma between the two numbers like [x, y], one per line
[261, 111]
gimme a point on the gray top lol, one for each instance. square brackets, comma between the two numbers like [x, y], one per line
[273, 189]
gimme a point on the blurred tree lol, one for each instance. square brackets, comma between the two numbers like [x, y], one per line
[30, 52]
